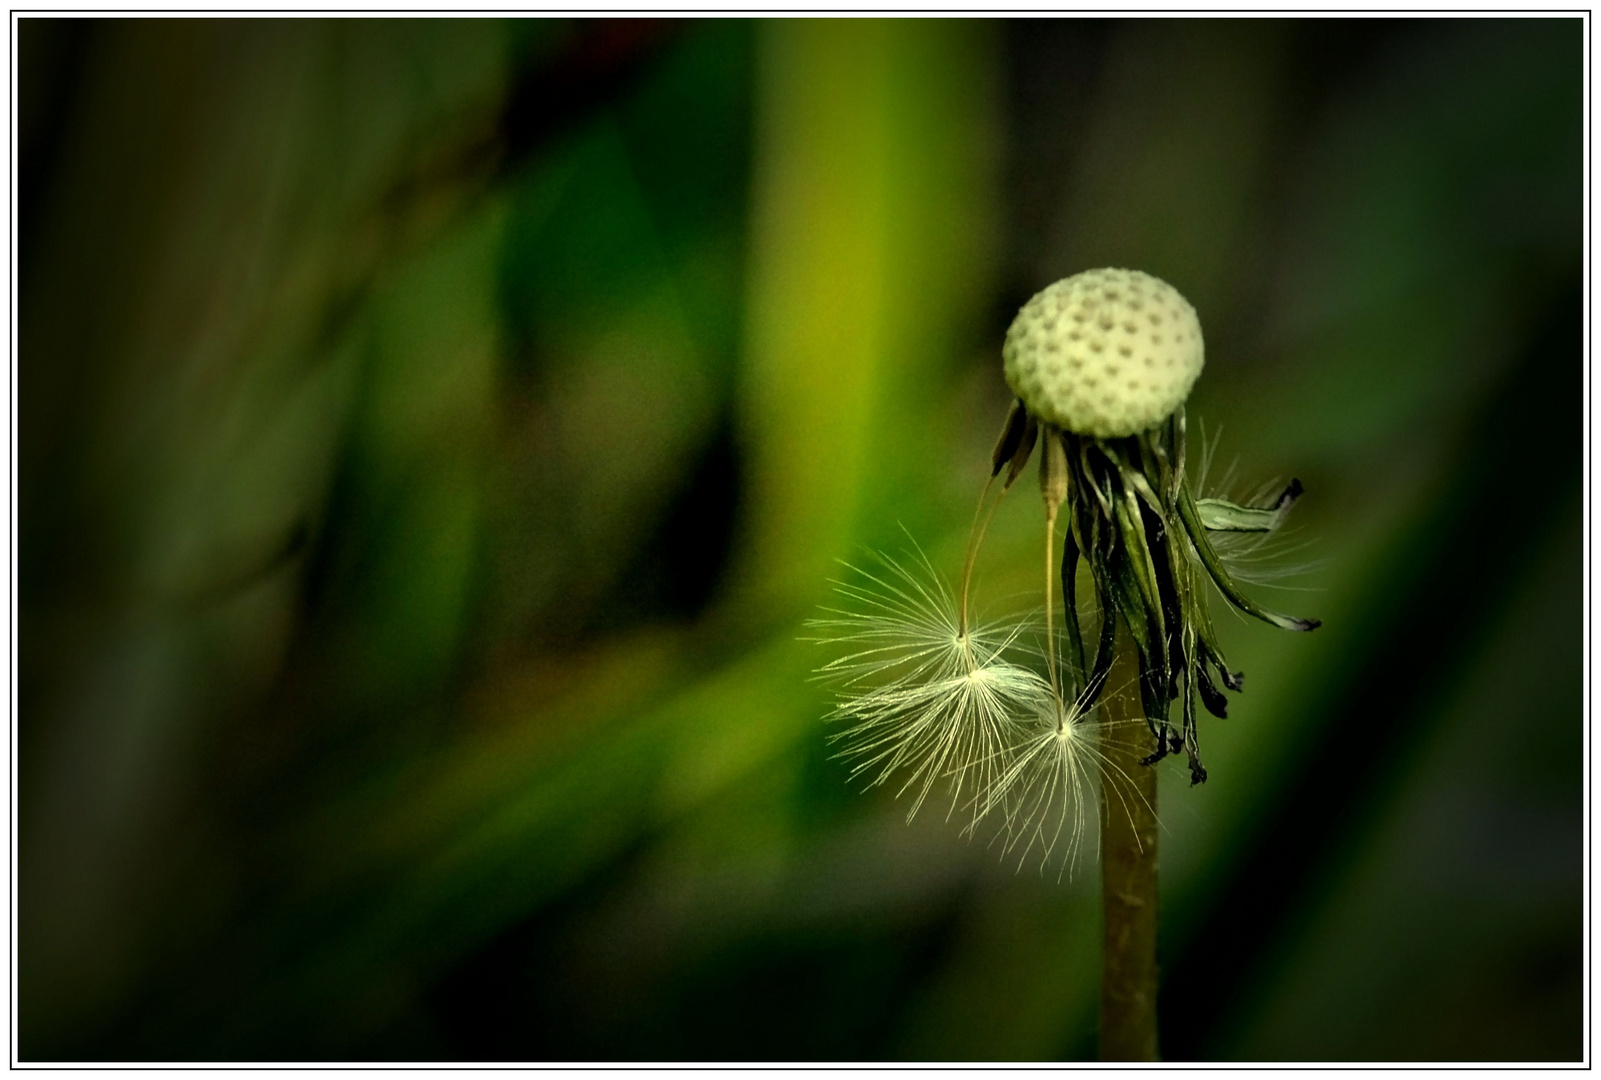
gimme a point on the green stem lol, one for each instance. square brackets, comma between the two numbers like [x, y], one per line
[1128, 868]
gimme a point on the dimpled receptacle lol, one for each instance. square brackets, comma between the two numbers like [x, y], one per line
[1106, 352]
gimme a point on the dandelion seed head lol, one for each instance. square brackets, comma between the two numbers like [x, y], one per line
[1089, 397]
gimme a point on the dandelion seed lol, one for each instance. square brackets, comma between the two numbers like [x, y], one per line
[928, 697]
[1051, 794]
[1057, 778]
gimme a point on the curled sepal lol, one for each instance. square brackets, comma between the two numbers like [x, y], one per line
[1192, 746]
[1211, 696]
[1225, 584]
[1025, 447]
[1075, 636]
[1011, 437]
[1220, 515]
[1131, 527]
[1175, 435]
[1233, 680]
[1097, 555]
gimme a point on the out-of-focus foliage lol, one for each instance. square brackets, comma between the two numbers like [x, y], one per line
[433, 435]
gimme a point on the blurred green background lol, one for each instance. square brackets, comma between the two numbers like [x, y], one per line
[433, 434]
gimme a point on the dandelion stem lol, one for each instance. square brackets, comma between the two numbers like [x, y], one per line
[1128, 868]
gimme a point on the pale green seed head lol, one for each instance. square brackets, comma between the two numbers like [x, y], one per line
[1106, 352]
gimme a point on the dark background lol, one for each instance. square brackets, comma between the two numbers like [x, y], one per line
[433, 434]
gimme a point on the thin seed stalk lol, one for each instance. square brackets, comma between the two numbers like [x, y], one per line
[1053, 489]
[975, 540]
[1128, 869]
[1050, 618]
